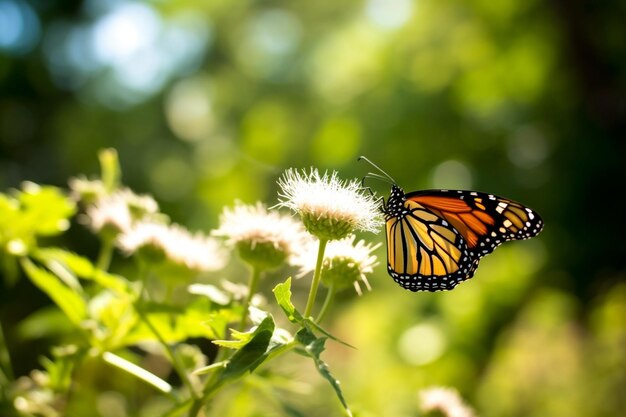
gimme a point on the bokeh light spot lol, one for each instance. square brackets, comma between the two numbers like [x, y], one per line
[19, 27]
[266, 133]
[389, 14]
[189, 110]
[337, 142]
[527, 147]
[451, 174]
[124, 32]
[422, 344]
[267, 41]
[171, 178]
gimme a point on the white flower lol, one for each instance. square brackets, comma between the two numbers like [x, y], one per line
[330, 208]
[85, 190]
[139, 204]
[118, 211]
[109, 213]
[345, 262]
[445, 400]
[255, 223]
[197, 251]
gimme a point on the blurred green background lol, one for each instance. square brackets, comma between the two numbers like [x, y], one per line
[209, 101]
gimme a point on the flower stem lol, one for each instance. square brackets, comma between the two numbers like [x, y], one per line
[105, 255]
[317, 275]
[330, 296]
[6, 370]
[176, 364]
[196, 406]
[252, 286]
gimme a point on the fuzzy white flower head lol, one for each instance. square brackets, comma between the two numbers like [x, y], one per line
[85, 190]
[109, 215]
[117, 212]
[345, 263]
[139, 204]
[264, 238]
[445, 400]
[330, 208]
[196, 251]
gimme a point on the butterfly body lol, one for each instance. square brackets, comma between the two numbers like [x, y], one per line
[435, 238]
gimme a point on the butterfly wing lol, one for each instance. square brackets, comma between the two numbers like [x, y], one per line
[484, 220]
[424, 252]
[435, 238]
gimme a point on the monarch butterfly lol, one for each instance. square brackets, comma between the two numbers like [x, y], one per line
[435, 238]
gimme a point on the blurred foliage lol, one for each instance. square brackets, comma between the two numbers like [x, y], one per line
[207, 102]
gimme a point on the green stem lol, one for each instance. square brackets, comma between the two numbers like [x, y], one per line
[252, 286]
[330, 296]
[213, 384]
[317, 275]
[196, 406]
[6, 370]
[176, 363]
[105, 255]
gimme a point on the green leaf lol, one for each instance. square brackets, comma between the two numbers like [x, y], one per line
[177, 323]
[71, 303]
[83, 268]
[115, 316]
[137, 371]
[45, 209]
[313, 347]
[80, 265]
[241, 339]
[253, 353]
[210, 368]
[282, 292]
[59, 370]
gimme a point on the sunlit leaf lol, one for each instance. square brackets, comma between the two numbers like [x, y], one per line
[59, 369]
[137, 371]
[240, 339]
[80, 265]
[68, 301]
[250, 356]
[45, 209]
[176, 323]
[83, 268]
[282, 292]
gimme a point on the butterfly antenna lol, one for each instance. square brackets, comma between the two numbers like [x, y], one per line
[377, 176]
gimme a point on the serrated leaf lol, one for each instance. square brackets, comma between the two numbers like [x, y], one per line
[252, 354]
[314, 347]
[282, 293]
[305, 336]
[240, 339]
[71, 303]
